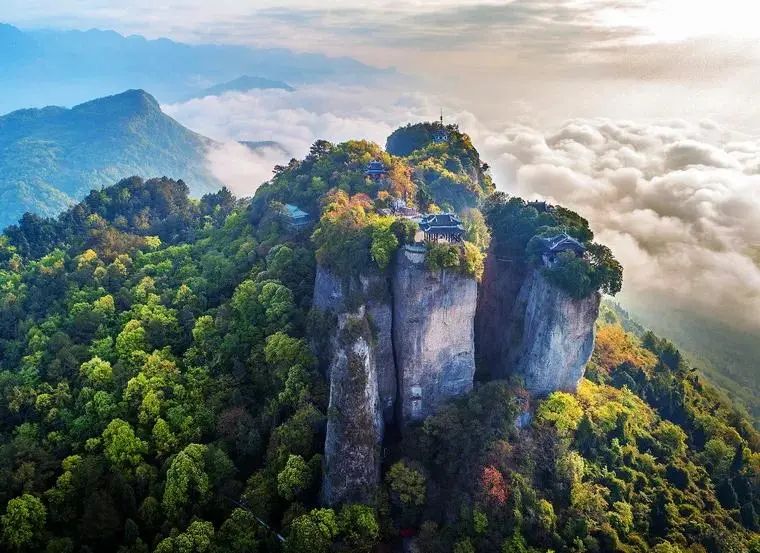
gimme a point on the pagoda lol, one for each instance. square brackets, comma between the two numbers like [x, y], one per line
[376, 170]
[440, 134]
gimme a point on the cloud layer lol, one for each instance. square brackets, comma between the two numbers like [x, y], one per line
[294, 120]
[676, 201]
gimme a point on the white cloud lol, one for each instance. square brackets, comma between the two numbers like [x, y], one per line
[242, 169]
[294, 120]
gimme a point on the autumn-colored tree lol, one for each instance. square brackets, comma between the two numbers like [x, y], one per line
[493, 484]
[614, 346]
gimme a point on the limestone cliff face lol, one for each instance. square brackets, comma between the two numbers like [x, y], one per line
[557, 336]
[355, 420]
[399, 346]
[372, 291]
[433, 335]
[358, 363]
[541, 334]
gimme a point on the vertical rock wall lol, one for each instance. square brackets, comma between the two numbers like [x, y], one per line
[355, 420]
[535, 331]
[557, 336]
[402, 345]
[372, 291]
[433, 335]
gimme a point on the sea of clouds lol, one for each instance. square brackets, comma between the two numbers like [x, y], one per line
[676, 201]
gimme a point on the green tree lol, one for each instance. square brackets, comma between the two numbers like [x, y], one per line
[237, 535]
[97, 371]
[621, 517]
[121, 446]
[476, 228]
[359, 527]
[23, 522]
[294, 478]
[132, 342]
[197, 538]
[384, 245]
[186, 480]
[515, 544]
[312, 532]
[562, 410]
[407, 484]
[463, 546]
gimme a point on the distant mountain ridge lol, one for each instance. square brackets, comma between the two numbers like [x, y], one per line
[43, 67]
[51, 157]
[258, 145]
[244, 84]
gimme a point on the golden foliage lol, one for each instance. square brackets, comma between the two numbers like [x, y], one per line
[614, 346]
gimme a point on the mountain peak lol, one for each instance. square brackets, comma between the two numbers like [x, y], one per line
[130, 101]
[52, 156]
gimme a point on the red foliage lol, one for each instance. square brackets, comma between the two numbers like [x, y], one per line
[493, 484]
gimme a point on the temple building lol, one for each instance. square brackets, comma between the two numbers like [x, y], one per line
[554, 245]
[442, 227]
[440, 134]
[295, 217]
[376, 170]
[399, 208]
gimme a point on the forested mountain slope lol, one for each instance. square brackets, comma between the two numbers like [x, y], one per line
[728, 354]
[159, 393]
[51, 157]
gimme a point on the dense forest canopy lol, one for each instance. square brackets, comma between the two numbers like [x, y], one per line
[159, 392]
[450, 171]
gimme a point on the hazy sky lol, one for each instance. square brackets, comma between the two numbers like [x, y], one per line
[534, 60]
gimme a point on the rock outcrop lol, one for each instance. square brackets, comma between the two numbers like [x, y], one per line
[403, 344]
[355, 419]
[557, 336]
[398, 347]
[433, 335]
[372, 291]
[540, 334]
[358, 363]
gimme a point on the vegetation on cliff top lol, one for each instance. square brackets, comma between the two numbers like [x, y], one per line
[517, 227]
[330, 167]
[449, 173]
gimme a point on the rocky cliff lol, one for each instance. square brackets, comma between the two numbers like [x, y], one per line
[533, 330]
[557, 336]
[371, 291]
[402, 344]
[399, 346]
[355, 421]
[358, 363]
[433, 335]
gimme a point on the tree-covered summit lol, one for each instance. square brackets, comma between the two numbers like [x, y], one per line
[51, 157]
[448, 169]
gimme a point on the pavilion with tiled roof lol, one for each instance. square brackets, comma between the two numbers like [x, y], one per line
[444, 227]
